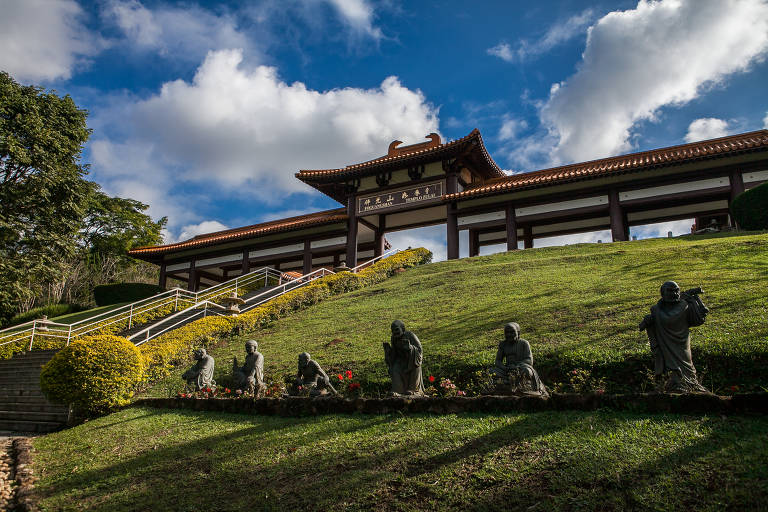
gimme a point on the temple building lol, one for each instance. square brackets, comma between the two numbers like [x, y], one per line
[459, 185]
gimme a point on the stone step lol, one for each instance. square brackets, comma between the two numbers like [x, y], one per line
[20, 372]
[30, 426]
[33, 391]
[33, 416]
[24, 399]
[33, 407]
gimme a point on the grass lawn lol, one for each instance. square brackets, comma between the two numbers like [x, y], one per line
[579, 306]
[88, 313]
[147, 459]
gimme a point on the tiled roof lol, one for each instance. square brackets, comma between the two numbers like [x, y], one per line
[400, 157]
[275, 226]
[675, 155]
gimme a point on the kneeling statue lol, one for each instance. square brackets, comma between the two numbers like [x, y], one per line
[312, 377]
[200, 376]
[404, 358]
[668, 327]
[513, 372]
[250, 377]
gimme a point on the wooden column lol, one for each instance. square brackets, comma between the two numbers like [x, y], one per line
[528, 237]
[619, 230]
[336, 260]
[163, 280]
[511, 227]
[474, 243]
[352, 231]
[378, 245]
[737, 187]
[246, 263]
[452, 222]
[307, 257]
[194, 277]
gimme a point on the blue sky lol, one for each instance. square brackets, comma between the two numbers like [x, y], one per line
[205, 110]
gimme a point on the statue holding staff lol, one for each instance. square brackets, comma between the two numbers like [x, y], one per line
[668, 327]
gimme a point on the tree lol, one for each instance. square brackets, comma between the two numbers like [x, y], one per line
[43, 195]
[114, 225]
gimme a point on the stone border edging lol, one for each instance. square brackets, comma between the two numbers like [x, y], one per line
[748, 403]
[24, 475]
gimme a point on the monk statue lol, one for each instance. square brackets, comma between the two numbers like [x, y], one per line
[404, 358]
[513, 372]
[312, 377]
[250, 377]
[200, 376]
[668, 327]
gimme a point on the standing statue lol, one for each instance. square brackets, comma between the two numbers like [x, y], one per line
[404, 358]
[668, 327]
[250, 377]
[312, 376]
[200, 376]
[513, 371]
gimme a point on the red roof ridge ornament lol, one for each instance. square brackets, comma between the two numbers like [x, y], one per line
[394, 150]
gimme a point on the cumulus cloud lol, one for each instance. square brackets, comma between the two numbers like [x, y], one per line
[243, 131]
[706, 128]
[765, 121]
[184, 33]
[637, 61]
[43, 40]
[556, 35]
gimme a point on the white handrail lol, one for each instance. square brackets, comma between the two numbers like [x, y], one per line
[172, 296]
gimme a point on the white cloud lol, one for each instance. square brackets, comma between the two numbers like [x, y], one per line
[43, 40]
[430, 237]
[659, 54]
[662, 229]
[556, 35]
[185, 33]
[706, 128]
[202, 228]
[511, 127]
[765, 121]
[358, 14]
[235, 131]
[502, 51]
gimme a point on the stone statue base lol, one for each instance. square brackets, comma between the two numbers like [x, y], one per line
[674, 382]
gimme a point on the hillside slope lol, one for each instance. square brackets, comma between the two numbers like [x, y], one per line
[579, 306]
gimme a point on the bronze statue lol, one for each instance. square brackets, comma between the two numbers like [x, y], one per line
[250, 377]
[668, 327]
[513, 372]
[200, 376]
[312, 377]
[404, 357]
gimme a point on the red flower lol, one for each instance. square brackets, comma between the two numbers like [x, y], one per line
[354, 386]
[226, 390]
[431, 378]
[340, 376]
[349, 374]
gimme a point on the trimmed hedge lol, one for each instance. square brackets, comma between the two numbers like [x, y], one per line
[115, 293]
[750, 208]
[94, 374]
[175, 347]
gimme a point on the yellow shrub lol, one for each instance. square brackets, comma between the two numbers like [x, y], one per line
[94, 373]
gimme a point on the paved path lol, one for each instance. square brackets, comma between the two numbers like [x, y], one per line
[6, 474]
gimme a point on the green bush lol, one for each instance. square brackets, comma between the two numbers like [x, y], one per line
[51, 311]
[106, 294]
[750, 209]
[94, 374]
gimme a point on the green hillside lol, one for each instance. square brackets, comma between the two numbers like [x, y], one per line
[579, 306]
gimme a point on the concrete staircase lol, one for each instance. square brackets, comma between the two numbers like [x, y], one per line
[160, 324]
[23, 408]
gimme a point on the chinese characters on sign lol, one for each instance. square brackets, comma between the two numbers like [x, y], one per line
[417, 194]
